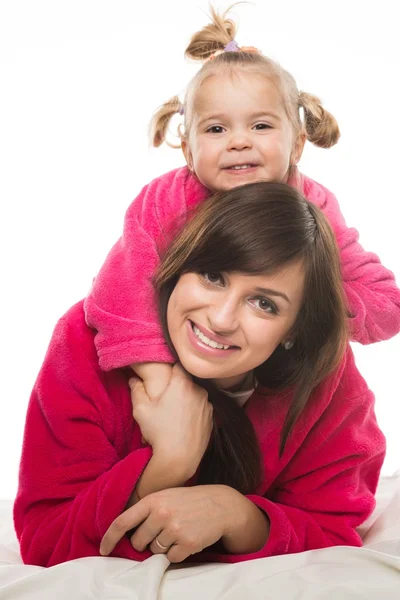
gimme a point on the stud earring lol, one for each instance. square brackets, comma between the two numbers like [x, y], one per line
[288, 345]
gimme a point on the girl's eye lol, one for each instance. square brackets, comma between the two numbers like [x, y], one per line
[215, 129]
[266, 305]
[212, 277]
[260, 126]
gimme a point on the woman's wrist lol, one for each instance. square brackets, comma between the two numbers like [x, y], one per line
[247, 529]
[181, 461]
[159, 474]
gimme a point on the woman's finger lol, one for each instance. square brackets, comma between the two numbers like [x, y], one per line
[161, 543]
[148, 531]
[178, 552]
[129, 519]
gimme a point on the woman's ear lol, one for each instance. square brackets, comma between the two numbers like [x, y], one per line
[187, 154]
[298, 148]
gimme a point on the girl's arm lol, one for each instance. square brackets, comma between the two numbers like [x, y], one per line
[121, 304]
[372, 293]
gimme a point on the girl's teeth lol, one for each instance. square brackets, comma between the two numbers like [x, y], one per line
[207, 340]
[241, 167]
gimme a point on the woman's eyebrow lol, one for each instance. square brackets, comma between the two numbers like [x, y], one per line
[271, 292]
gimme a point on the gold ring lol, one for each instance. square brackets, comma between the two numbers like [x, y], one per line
[161, 546]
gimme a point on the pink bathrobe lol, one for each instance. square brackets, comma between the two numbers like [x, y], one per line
[121, 305]
[82, 456]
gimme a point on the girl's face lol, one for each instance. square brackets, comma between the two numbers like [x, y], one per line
[223, 325]
[240, 133]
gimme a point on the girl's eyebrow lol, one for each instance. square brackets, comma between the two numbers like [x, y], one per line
[213, 117]
[271, 292]
[222, 116]
[266, 113]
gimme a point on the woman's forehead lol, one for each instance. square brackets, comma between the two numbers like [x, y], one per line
[289, 277]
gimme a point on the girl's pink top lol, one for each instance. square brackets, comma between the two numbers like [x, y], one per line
[121, 304]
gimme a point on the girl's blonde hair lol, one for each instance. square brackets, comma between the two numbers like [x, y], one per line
[319, 125]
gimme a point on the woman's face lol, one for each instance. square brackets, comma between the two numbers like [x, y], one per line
[223, 325]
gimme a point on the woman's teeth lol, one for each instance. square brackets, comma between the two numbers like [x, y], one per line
[207, 340]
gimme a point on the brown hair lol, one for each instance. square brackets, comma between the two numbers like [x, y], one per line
[319, 125]
[259, 228]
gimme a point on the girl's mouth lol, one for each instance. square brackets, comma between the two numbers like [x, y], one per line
[245, 168]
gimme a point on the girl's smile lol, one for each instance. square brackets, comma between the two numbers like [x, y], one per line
[240, 133]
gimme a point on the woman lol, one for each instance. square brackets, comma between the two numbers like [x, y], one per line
[265, 441]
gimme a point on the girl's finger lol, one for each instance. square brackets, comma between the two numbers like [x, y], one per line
[129, 519]
[178, 370]
[135, 382]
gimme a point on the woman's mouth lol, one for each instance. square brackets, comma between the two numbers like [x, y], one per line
[207, 345]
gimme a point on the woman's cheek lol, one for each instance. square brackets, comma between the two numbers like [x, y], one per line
[263, 337]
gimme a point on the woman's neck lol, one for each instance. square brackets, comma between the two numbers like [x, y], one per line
[235, 383]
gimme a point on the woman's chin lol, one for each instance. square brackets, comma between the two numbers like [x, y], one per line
[202, 369]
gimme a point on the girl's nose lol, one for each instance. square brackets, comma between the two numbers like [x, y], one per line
[239, 140]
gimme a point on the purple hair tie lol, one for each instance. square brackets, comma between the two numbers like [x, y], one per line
[181, 111]
[232, 47]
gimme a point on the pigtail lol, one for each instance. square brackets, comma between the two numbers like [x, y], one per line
[161, 120]
[320, 125]
[212, 37]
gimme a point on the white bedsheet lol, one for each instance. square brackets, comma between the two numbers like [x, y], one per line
[340, 573]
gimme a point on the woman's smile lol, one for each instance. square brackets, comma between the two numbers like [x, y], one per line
[210, 344]
[222, 325]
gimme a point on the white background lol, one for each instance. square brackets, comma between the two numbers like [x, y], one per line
[79, 82]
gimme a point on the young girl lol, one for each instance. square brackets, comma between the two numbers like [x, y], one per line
[241, 124]
[233, 470]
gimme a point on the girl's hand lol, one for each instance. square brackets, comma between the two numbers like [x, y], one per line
[179, 423]
[155, 378]
[177, 522]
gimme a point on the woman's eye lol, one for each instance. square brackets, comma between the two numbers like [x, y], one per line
[215, 129]
[266, 305]
[260, 126]
[211, 277]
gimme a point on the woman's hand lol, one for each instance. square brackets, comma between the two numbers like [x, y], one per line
[178, 424]
[177, 522]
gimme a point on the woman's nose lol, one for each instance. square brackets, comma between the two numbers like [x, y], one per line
[223, 316]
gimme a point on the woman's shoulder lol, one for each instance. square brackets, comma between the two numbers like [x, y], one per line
[72, 336]
[344, 387]
[351, 381]
[341, 392]
[73, 323]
